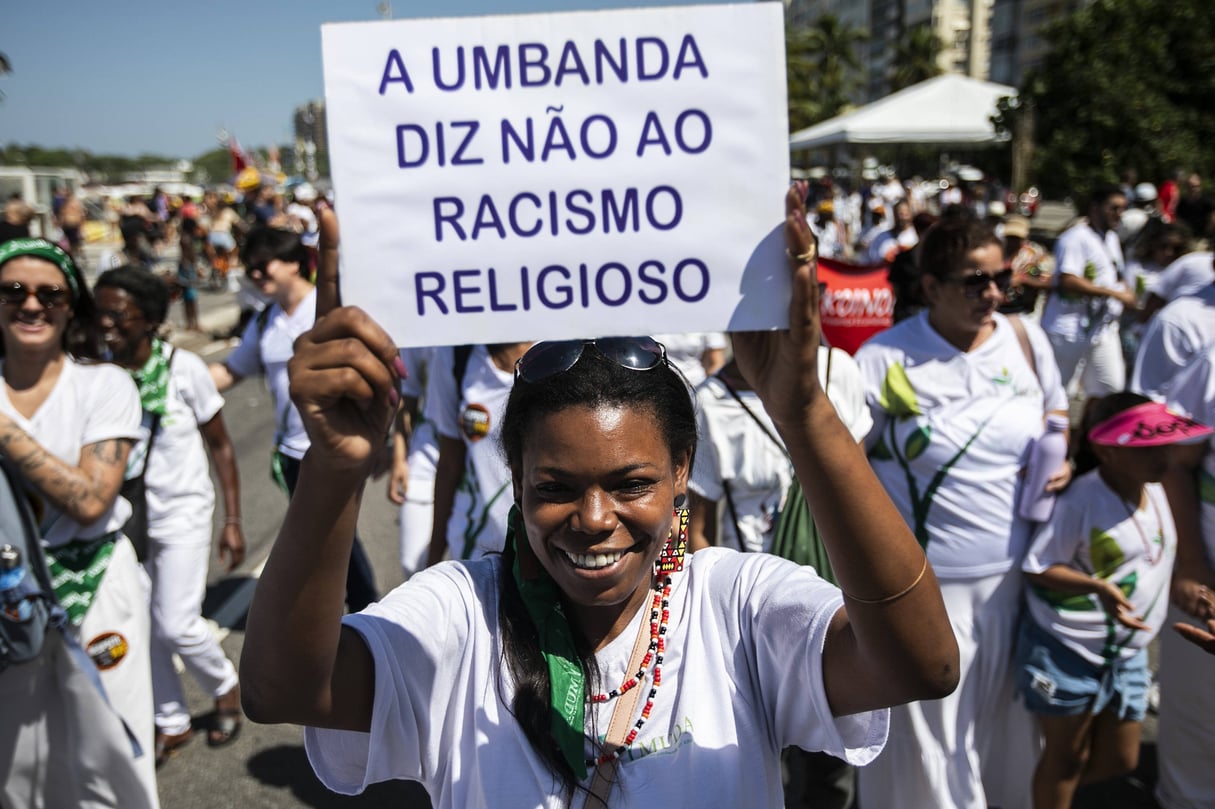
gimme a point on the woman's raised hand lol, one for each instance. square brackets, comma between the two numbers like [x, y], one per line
[782, 366]
[346, 372]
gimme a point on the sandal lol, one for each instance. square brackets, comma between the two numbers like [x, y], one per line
[167, 744]
[228, 716]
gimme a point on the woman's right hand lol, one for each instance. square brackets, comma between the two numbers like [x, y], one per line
[345, 373]
[1119, 608]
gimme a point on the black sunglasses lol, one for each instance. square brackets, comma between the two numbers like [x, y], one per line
[558, 356]
[975, 284]
[49, 296]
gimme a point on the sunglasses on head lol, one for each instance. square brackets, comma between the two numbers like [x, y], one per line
[49, 296]
[558, 356]
[975, 284]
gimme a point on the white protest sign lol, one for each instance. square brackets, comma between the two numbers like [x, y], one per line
[561, 175]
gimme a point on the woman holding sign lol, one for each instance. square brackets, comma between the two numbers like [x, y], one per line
[560, 666]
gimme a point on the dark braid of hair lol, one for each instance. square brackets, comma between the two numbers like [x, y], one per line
[594, 381]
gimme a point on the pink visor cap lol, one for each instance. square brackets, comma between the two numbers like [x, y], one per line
[1148, 425]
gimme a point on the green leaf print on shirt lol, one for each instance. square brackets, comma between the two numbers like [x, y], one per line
[898, 397]
[1069, 602]
[1104, 551]
[917, 442]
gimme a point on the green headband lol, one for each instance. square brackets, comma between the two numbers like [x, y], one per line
[41, 248]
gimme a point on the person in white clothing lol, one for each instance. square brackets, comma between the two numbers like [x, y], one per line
[525, 677]
[958, 394]
[415, 456]
[67, 425]
[466, 393]
[1174, 337]
[1186, 729]
[181, 409]
[1185, 276]
[740, 461]
[278, 263]
[1097, 592]
[1081, 318]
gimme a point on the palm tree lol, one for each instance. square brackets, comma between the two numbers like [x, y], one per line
[915, 57]
[822, 67]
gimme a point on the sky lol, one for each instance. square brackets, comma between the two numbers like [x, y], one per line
[131, 77]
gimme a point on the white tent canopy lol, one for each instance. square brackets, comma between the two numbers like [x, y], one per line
[945, 109]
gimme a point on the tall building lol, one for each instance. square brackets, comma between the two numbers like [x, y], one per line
[851, 14]
[1017, 45]
[962, 26]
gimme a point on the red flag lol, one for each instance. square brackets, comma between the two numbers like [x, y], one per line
[239, 159]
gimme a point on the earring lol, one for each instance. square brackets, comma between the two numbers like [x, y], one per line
[671, 560]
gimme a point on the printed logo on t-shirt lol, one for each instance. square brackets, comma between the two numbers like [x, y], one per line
[108, 650]
[474, 421]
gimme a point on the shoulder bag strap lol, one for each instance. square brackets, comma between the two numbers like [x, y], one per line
[618, 726]
[725, 487]
[779, 444]
[1023, 339]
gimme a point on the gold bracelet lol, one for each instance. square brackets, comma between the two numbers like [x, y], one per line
[896, 596]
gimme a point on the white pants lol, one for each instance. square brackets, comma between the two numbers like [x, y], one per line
[1185, 741]
[178, 574]
[1104, 371]
[978, 746]
[417, 512]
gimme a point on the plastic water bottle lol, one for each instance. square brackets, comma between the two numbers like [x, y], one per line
[1045, 458]
[13, 602]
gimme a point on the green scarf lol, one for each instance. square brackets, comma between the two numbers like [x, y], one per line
[567, 693]
[153, 380]
[77, 569]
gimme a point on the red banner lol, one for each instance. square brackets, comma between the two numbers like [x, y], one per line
[856, 302]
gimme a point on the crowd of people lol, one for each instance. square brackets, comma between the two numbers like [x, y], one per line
[583, 520]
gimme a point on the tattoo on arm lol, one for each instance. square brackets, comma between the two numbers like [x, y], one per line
[108, 452]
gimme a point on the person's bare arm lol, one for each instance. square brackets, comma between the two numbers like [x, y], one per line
[1193, 587]
[222, 376]
[299, 664]
[84, 492]
[219, 444]
[892, 641]
[448, 471]
[402, 434]
[1064, 579]
[1077, 285]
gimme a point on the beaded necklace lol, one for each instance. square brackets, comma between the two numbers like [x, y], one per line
[660, 614]
[1147, 546]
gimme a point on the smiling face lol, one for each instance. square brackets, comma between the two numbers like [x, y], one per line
[26, 323]
[596, 487]
[124, 328]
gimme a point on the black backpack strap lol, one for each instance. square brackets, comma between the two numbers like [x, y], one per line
[459, 365]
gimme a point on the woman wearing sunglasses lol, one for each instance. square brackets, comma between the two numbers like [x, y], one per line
[589, 663]
[958, 392]
[66, 427]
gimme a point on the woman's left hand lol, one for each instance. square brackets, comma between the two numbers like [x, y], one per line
[782, 365]
[231, 546]
[1062, 476]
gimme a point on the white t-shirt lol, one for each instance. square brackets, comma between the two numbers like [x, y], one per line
[741, 679]
[267, 351]
[1093, 530]
[887, 244]
[1178, 332]
[734, 451]
[89, 404]
[474, 414]
[1185, 276]
[1193, 393]
[178, 477]
[1084, 253]
[973, 414]
[686, 350]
